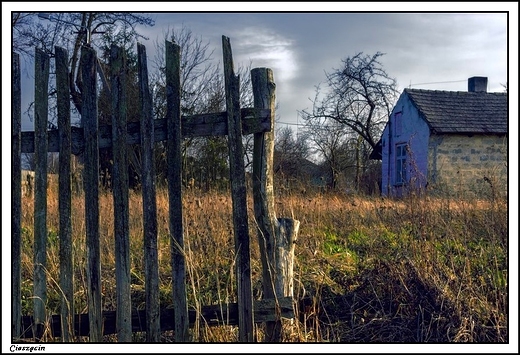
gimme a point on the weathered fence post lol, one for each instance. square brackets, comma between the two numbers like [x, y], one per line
[151, 267]
[41, 107]
[65, 196]
[276, 236]
[239, 197]
[89, 120]
[173, 118]
[16, 200]
[120, 191]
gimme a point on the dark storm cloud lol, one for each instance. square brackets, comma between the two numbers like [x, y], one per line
[420, 48]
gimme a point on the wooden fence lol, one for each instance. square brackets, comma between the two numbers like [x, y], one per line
[275, 236]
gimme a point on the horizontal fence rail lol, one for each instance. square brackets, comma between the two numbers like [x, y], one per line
[266, 310]
[254, 120]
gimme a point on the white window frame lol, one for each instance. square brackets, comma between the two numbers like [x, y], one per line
[401, 167]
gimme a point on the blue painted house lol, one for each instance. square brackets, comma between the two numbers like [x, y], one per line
[445, 141]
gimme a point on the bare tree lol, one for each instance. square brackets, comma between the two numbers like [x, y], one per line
[202, 91]
[72, 30]
[330, 142]
[23, 38]
[198, 71]
[291, 157]
[360, 96]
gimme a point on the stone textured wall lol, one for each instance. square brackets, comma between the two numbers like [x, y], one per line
[468, 164]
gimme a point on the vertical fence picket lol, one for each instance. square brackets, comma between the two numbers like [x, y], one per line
[239, 197]
[16, 199]
[64, 196]
[41, 106]
[89, 117]
[173, 118]
[153, 325]
[120, 192]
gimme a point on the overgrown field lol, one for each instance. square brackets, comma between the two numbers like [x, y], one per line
[367, 269]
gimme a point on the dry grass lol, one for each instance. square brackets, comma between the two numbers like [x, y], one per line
[415, 270]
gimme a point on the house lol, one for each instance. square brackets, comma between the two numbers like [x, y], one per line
[445, 141]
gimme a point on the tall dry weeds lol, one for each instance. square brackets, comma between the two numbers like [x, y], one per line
[419, 269]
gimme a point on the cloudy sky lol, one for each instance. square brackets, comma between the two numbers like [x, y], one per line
[435, 50]
[430, 51]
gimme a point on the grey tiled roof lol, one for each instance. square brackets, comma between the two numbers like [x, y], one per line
[461, 112]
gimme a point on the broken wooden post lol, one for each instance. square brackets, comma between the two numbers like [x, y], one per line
[276, 236]
[239, 197]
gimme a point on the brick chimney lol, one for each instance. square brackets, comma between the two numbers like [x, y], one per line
[477, 84]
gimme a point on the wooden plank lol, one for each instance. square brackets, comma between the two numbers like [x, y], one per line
[211, 316]
[41, 108]
[151, 270]
[16, 199]
[239, 197]
[91, 186]
[214, 124]
[65, 194]
[174, 151]
[120, 192]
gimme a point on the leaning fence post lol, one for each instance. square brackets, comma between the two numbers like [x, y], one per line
[41, 106]
[16, 200]
[276, 236]
[239, 197]
[151, 268]
[65, 199]
[89, 122]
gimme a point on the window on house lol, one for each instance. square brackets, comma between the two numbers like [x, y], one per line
[400, 164]
[398, 123]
